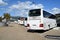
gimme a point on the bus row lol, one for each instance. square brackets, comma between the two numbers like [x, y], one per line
[39, 19]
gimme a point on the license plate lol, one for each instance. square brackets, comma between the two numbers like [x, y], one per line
[34, 25]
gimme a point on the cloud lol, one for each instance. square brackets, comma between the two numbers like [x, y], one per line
[2, 3]
[56, 10]
[26, 5]
[23, 7]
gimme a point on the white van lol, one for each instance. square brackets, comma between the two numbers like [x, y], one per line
[21, 20]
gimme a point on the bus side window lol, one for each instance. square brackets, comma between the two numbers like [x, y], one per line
[52, 17]
[48, 15]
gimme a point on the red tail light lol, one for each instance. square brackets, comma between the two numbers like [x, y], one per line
[28, 25]
[41, 25]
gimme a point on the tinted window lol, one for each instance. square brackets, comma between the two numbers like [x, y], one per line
[48, 15]
[53, 17]
[34, 12]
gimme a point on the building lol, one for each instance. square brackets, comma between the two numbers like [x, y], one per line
[58, 19]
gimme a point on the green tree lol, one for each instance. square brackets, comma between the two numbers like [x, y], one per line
[7, 16]
[0, 19]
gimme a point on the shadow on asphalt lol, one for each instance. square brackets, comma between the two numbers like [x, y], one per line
[38, 31]
[7, 26]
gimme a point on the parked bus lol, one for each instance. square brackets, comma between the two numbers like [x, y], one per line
[25, 22]
[38, 19]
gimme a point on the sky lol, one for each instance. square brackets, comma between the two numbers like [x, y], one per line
[22, 7]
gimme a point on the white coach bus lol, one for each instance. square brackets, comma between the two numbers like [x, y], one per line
[38, 19]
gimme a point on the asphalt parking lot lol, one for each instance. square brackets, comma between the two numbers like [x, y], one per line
[18, 32]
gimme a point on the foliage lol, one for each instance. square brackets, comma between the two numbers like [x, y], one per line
[0, 19]
[7, 16]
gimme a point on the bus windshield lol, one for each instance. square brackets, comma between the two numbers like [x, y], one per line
[34, 12]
